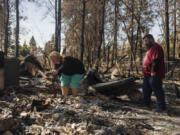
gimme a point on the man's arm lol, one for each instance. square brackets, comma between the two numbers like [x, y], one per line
[154, 66]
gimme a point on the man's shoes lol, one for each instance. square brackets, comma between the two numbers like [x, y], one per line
[144, 106]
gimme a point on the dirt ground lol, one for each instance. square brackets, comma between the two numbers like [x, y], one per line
[42, 110]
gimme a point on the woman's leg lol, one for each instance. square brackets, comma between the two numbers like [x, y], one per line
[75, 83]
[65, 90]
[74, 91]
[65, 80]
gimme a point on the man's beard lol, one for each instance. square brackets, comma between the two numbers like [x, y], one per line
[148, 46]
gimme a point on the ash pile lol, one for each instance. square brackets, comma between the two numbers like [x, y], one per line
[103, 107]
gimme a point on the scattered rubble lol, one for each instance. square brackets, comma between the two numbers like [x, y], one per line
[43, 111]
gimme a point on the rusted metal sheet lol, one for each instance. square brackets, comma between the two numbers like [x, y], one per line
[1, 79]
[11, 66]
[1, 70]
[1, 59]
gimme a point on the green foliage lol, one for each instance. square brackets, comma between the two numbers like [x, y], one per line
[24, 50]
[32, 42]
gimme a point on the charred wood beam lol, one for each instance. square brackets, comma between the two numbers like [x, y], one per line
[116, 88]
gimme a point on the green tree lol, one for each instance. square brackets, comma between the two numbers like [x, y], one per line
[24, 50]
[32, 42]
[33, 46]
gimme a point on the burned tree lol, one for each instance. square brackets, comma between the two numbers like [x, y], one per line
[101, 33]
[174, 39]
[82, 29]
[6, 42]
[17, 28]
[167, 27]
[59, 25]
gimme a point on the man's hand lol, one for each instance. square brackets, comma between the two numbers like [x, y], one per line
[54, 72]
[153, 73]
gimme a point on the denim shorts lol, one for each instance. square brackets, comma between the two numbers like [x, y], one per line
[71, 80]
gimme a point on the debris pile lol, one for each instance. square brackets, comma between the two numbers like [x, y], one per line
[41, 110]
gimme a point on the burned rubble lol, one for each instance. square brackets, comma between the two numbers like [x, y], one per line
[38, 109]
[103, 107]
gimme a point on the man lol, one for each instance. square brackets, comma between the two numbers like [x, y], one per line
[154, 71]
[70, 70]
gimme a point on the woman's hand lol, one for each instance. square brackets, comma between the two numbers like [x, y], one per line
[54, 72]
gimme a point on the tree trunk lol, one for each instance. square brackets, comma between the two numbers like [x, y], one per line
[116, 29]
[167, 27]
[108, 57]
[135, 49]
[114, 49]
[174, 40]
[132, 36]
[6, 43]
[101, 34]
[59, 25]
[56, 28]
[140, 37]
[137, 41]
[82, 30]
[4, 22]
[104, 49]
[141, 51]
[88, 57]
[17, 28]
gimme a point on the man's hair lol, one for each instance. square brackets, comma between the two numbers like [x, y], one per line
[148, 36]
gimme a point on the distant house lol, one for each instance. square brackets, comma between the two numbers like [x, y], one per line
[1, 25]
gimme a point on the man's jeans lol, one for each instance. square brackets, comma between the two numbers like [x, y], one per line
[150, 84]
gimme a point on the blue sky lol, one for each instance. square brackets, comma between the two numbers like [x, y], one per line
[43, 28]
[35, 24]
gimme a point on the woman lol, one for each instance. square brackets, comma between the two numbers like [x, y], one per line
[71, 71]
